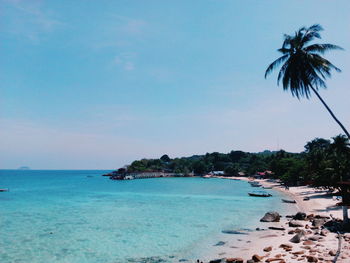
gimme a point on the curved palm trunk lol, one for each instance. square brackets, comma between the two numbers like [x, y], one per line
[330, 112]
[345, 208]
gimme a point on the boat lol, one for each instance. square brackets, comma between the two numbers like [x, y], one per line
[4, 190]
[259, 194]
[267, 187]
[289, 201]
[255, 184]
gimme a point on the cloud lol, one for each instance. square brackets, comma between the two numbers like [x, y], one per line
[125, 61]
[131, 26]
[29, 19]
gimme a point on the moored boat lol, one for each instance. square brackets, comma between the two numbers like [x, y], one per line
[4, 190]
[289, 201]
[259, 194]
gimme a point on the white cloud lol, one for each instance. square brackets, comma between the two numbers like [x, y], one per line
[125, 61]
[29, 19]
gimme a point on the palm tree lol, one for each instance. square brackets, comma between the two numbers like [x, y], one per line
[340, 151]
[304, 69]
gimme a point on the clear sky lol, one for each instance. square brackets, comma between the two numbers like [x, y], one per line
[97, 84]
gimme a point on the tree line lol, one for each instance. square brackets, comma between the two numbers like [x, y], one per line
[323, 163]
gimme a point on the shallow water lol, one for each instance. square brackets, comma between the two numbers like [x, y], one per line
[80, 216]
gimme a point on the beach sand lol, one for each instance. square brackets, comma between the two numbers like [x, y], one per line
[323, 250]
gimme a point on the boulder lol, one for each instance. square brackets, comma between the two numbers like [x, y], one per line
[274, 259]
[257, 258]
[297, 237]
[219, 260]
[294, 223]
[324, 232]
[276, 228]
[312, 259]
[234, 260]
[318, 222]
[286, 246]
[300, 216]
[220, 243]
[268, 249]
[271, 217]
[314, 238]
[300, 252]
[308, 243]
[234, 232]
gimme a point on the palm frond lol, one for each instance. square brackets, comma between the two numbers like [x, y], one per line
[275, 64]
[322, 48]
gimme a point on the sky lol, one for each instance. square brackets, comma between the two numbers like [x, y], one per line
[97, 84]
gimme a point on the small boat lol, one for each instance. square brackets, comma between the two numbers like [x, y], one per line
[255, 185]
[289, 201]
[267, 187]
[4, 190]
[207, 176]
[259, 194]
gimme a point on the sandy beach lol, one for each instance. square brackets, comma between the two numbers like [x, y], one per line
[315, 245]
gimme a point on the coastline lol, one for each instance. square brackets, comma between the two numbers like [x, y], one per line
[321, 250]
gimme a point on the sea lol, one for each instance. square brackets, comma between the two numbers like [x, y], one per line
[63, 216]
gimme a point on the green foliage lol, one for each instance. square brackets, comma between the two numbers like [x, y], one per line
[303, 67]
[324, 163]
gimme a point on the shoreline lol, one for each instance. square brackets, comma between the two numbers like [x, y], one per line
[257, 242]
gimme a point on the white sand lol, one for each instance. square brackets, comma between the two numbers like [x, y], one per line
[320, 203]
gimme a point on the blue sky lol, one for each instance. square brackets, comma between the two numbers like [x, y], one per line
[97, 84]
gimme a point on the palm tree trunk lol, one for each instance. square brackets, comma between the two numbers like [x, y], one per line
[345, 208]
[330, 112]
[345, 215]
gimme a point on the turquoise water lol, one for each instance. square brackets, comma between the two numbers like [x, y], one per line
[80, 216]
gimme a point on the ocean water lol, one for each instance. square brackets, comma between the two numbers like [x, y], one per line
[80, 216]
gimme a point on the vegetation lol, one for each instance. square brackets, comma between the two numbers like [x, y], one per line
[305, 70]
[324, 163]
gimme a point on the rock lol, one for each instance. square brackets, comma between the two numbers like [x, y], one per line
[300, 216]
[291, 232]
[332, 253]
[276, 228]
[308, 243]
[306, 198]
[311, 259]
[297, 237]
[274, 259]
[314, 238]
[234, 232]
[234, 260]
[284, 246]
[298, 252]
[268, 249]
[318, 222]
[219, 260]
[250, 261]
[294, 223]
[306, 247]
[257, 258]
[271, 217]
[220, 243]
